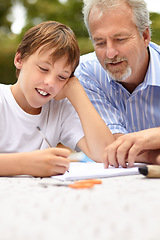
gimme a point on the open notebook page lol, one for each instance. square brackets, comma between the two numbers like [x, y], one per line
[89, 170]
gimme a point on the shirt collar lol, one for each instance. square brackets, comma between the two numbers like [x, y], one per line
[153, 73]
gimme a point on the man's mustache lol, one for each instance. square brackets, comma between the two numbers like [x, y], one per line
[114, 60]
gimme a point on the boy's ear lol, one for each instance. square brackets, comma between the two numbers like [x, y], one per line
[18, 61]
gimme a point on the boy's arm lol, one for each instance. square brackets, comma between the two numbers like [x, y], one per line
[39, 163]
[96, 134]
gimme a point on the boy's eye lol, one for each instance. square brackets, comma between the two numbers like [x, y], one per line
[62, 78]
[43, 69]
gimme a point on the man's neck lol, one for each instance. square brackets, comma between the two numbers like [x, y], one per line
[139, 76]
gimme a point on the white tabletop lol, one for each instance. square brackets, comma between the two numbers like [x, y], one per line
[121, 208]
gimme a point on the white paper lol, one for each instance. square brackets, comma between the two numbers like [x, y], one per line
[90, 170]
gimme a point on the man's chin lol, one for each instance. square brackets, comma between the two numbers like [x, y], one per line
[119, 77]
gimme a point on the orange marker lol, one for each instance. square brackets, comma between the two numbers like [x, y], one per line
[94, 181]
[81, 185]
[87, 183]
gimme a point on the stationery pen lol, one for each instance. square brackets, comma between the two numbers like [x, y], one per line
[150, 171]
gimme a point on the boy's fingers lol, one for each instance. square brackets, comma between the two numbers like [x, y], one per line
[63, 152]
[59, 170]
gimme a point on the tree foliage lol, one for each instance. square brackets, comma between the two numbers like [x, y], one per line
[68, 12]
[5, 7]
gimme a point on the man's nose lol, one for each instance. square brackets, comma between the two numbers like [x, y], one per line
[111, 51]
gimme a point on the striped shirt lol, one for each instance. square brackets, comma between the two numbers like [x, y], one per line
[122, 111]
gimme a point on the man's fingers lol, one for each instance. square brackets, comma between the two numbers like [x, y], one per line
[122, 153]
[110, 157]
[132, 154]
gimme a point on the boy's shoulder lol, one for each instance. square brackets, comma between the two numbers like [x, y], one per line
[5, 93]
[4, 88]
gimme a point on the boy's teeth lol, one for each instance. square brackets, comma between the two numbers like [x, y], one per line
[42, 92]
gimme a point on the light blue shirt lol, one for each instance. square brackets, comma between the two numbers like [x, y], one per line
[122, 111]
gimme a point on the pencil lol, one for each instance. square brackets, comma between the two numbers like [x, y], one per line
[150, 171]
[44, 137]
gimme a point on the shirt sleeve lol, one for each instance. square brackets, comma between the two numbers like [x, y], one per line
[101, 94]
[71, 128]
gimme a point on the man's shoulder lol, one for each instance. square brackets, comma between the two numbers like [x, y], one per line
[87, 62]
[88, 57]
[154, 46]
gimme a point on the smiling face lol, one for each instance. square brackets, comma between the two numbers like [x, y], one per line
[119, 47]
[39, 80]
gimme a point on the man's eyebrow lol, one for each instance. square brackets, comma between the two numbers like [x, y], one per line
[121, 34]
[97, 39]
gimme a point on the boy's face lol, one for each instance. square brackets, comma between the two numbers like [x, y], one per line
[39, 80]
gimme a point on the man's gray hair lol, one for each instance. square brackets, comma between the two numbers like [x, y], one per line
[139, 7]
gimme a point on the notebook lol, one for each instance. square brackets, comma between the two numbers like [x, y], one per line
[90, 170]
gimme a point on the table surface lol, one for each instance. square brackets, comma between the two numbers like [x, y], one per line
[123, 208]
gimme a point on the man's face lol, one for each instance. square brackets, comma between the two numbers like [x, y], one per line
[119, 47]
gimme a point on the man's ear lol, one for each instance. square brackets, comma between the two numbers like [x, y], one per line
[147, 37]
[18, 61]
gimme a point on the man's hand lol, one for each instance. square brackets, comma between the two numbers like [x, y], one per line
[132, 147]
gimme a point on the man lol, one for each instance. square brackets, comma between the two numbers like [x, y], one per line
[122, 78]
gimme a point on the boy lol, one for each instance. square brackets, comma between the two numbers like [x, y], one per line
[42, 97]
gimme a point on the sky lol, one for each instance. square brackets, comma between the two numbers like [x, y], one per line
[20, 14]
[153, 5]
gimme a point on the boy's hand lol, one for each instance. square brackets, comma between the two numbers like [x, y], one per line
[62, 93]
[46, 162]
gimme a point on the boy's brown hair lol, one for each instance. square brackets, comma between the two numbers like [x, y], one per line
[50, 35]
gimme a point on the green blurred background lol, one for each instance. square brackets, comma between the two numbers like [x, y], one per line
[68, 12]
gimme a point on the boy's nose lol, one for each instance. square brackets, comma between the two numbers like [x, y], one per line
[50, 81]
